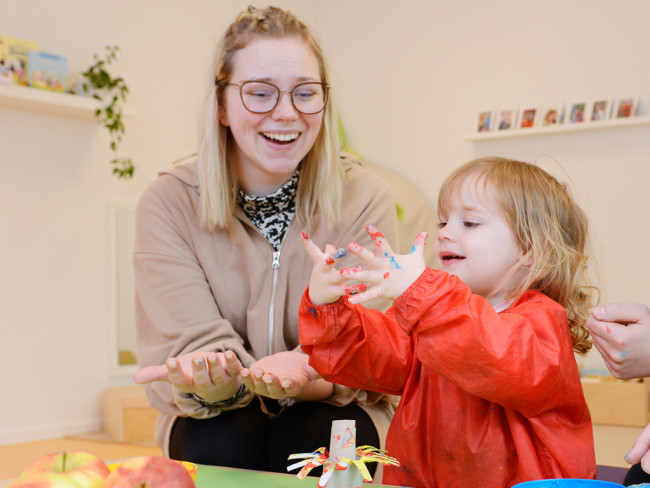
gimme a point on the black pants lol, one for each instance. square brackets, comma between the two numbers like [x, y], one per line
[247, 438]
[636, 476]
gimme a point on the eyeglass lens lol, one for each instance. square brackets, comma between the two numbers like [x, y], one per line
[261, 97]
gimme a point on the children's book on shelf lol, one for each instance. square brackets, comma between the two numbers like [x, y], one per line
[47, 71]
[13, 56]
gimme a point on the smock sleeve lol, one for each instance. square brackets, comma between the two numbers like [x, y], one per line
[354, 346]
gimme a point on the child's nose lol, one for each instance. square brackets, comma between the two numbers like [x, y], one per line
[445, 233]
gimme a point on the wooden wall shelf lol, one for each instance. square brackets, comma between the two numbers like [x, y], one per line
[49, 102]
[560, 129]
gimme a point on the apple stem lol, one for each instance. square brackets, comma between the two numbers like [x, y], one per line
[63, 459]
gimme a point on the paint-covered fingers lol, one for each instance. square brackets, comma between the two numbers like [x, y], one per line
[327, 257]
[332, 254]
[312, 249]
[371, 259]
[392, 275]
[325, 279]
[419, 243]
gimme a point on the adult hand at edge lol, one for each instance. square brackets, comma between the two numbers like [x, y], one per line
[621, 333]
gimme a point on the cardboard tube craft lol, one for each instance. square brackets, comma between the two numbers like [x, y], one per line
[344, 466]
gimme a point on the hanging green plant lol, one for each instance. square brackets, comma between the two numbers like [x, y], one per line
[111, 92]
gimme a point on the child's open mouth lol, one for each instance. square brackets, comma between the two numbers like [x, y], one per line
[451, 257]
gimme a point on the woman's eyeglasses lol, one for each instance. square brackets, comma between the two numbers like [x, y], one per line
[261, 97]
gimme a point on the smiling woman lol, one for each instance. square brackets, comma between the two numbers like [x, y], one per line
[219, 267]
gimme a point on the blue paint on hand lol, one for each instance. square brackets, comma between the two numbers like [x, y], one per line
[393, 262]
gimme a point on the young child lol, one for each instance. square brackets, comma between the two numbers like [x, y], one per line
[480, 350]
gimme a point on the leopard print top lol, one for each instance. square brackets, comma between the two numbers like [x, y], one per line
[272, 214]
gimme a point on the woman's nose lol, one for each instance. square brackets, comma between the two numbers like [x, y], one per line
[285, 110]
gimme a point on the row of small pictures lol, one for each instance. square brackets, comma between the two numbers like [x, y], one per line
[576, 113]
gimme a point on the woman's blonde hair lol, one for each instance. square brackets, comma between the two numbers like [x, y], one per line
[321, 179]
[551, 228]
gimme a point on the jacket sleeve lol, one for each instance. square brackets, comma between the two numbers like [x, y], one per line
[175, 310]
[354, 346]
[520, 358]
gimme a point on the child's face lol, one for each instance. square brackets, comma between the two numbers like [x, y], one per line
[476, 243]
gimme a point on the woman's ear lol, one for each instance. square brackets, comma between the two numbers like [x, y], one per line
[223, 115]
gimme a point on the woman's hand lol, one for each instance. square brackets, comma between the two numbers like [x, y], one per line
[387, 275]
[286, 375]
[209, 375]
[326, 284]
[621, 333]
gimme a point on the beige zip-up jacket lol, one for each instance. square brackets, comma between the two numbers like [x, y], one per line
[201, 290]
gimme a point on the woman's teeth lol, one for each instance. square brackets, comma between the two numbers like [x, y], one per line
[281, 137]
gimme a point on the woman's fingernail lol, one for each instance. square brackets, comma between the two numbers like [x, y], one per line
[171, 362]
[304, 235]
[198, 362]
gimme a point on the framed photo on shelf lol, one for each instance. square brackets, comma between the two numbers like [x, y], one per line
[578, 113]
[485, 121]
[551, 115]
[601, 109]
[528, 118]
[625, 107]
[506, 119]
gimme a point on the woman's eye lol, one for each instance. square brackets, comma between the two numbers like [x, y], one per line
[304, 94]
[259, 94]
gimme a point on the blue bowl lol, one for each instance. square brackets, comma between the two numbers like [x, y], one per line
[567, 483]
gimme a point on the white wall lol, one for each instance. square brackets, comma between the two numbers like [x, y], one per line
[410, 78]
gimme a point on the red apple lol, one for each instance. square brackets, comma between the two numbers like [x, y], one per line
[44, 480]
[83, 467]
[149, 472]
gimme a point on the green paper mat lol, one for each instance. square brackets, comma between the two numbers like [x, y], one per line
[218, 477]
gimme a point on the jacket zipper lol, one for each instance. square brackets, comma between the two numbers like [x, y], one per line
[276, 266]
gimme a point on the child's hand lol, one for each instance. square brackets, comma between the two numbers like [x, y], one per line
[326, 284]
[388, 275]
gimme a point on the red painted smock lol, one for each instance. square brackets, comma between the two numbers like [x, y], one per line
[488, 399]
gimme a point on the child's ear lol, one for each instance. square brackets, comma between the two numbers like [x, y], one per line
[527, 259]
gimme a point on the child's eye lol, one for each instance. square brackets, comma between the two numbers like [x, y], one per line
[441, 224]
[469, 224]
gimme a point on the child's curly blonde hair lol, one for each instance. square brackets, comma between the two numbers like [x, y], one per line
[549, 225]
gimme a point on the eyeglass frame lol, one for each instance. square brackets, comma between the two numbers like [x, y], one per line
[325, 86]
